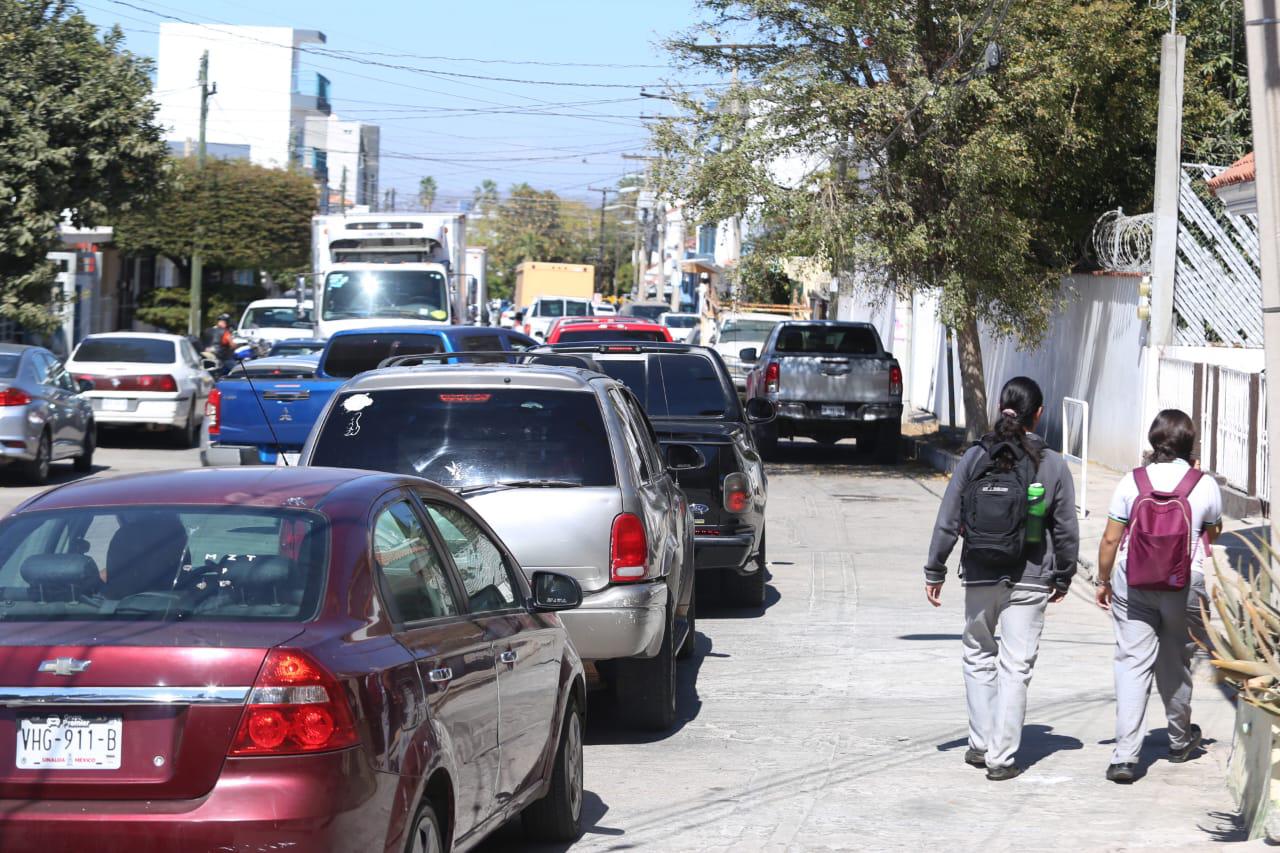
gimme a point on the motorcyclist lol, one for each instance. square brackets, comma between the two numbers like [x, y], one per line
[220, 341]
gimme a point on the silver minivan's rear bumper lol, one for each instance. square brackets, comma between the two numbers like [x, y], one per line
[621, 621]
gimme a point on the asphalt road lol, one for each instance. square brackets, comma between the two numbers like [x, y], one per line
[833, 719]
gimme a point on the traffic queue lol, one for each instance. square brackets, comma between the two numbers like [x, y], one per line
[386, 640]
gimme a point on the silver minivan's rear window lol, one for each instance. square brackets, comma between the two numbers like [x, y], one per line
[136, 350]
[168, 564]
[471, 436]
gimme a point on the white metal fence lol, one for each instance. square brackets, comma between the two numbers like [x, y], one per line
[1229, 409]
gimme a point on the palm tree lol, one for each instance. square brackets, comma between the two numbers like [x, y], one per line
[427, 192]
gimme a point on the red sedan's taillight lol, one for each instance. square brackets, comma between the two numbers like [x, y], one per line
[895, 381]
[213, 412]
[295, 707]
[628, 549]
[771, 377]
[737, 493]
[14, 397]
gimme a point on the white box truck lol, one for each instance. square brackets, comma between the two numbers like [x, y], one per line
[384, 269]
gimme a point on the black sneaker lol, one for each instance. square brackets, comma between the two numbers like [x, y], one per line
[1123, 774]
[1178, 756]
[975, 758]
[1003, 774]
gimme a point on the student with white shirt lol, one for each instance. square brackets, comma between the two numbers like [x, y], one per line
[1152, 623]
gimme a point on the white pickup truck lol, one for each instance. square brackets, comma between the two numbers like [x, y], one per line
[545, 310]
[828, 380]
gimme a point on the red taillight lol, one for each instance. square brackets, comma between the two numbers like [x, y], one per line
[142, 382]
[771, 376]
[14, 397]
[295, 706]
[628, 549]
[213, 412]
[895, 380]
[737, 493]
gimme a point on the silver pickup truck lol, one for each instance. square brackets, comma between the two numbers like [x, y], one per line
[828, 380]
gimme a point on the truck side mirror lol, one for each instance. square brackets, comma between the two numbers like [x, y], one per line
[749, 354]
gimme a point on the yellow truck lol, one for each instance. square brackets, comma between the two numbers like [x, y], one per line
[540, 278]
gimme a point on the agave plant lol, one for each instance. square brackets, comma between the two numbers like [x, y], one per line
[1247, 648]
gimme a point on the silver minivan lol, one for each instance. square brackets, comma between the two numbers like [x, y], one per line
[564, 465]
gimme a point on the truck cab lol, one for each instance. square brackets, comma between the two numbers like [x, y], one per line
[359, 296]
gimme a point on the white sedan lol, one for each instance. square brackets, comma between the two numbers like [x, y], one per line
[141, 379]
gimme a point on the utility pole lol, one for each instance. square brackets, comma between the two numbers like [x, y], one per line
[1262, 39]
[194, 324]
[604, 197]
[342, 192]
[393, 199]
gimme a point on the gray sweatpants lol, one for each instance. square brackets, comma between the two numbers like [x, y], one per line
[996, 674]
[1154, 630]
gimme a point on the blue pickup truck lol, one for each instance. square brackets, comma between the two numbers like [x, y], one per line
[265, 408]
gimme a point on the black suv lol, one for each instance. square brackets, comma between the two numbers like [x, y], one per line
[690, 399]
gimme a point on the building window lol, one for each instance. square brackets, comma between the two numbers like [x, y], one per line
[707, 241]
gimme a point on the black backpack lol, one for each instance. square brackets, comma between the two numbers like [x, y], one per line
[993, 507]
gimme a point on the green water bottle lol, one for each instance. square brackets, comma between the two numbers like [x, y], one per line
[1035, 512]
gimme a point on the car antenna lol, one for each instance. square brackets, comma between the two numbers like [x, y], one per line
[266, 420]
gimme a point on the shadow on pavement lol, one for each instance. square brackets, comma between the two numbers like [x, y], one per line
[511, 835]
[801, 456]
[931, 637]
[127, 438]
[1038, 743]
[1236, 549]
[602, 709]
[1155, 747]
[711, 602]
[1227, 827]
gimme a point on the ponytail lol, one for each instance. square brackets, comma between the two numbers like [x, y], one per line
[1020, 402]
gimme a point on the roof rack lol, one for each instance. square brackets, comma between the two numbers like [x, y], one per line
[491, 357]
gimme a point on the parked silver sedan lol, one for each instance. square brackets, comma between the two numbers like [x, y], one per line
[44, 415]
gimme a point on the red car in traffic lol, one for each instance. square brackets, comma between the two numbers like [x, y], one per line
[581, 330]
[268, 658]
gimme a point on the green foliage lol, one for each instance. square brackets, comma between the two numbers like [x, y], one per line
[427, 190]
[861, 137]
[77, 134]
[246, 217]
[169, 308]
[760, 278]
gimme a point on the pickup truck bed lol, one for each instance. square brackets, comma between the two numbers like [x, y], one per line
[253, 420]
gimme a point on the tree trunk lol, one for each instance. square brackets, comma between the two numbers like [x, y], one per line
[972, 379]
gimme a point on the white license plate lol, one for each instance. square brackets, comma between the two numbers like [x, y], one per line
[833, 411]
[69, 742]
[115, 404]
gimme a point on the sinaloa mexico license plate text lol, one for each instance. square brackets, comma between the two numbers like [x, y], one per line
[69, 742]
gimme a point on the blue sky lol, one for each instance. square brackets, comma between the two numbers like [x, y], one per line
[607, 39]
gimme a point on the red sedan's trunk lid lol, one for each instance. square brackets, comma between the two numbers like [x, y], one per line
[120, 711]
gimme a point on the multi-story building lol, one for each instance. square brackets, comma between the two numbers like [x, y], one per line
[266, 102]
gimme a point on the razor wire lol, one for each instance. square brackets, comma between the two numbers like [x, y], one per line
[1123, 243]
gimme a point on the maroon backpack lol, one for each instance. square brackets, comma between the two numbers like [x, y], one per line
[1161, 535]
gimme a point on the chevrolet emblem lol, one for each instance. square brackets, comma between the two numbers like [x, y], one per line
[64, 666]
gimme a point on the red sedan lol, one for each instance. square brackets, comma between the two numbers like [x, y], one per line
[262, 658]
[580, 330]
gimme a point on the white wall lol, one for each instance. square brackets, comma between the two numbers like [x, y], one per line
[1093, 351]
[253, 69]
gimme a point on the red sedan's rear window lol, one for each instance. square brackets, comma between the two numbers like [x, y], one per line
[578, 336]
[165, 564]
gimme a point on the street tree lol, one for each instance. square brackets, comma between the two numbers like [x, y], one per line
[77, 135]
[427, 190]
[962, 147]
[250, 217]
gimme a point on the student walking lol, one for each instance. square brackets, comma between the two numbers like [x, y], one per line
[1162, 517]
[1013, 501]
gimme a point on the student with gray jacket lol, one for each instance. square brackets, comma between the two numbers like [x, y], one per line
[1009, 575]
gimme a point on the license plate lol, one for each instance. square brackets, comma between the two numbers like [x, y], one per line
[833, 411]
[69, 742]
[115, 404]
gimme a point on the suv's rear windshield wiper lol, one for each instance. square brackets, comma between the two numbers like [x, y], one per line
[519, 484]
